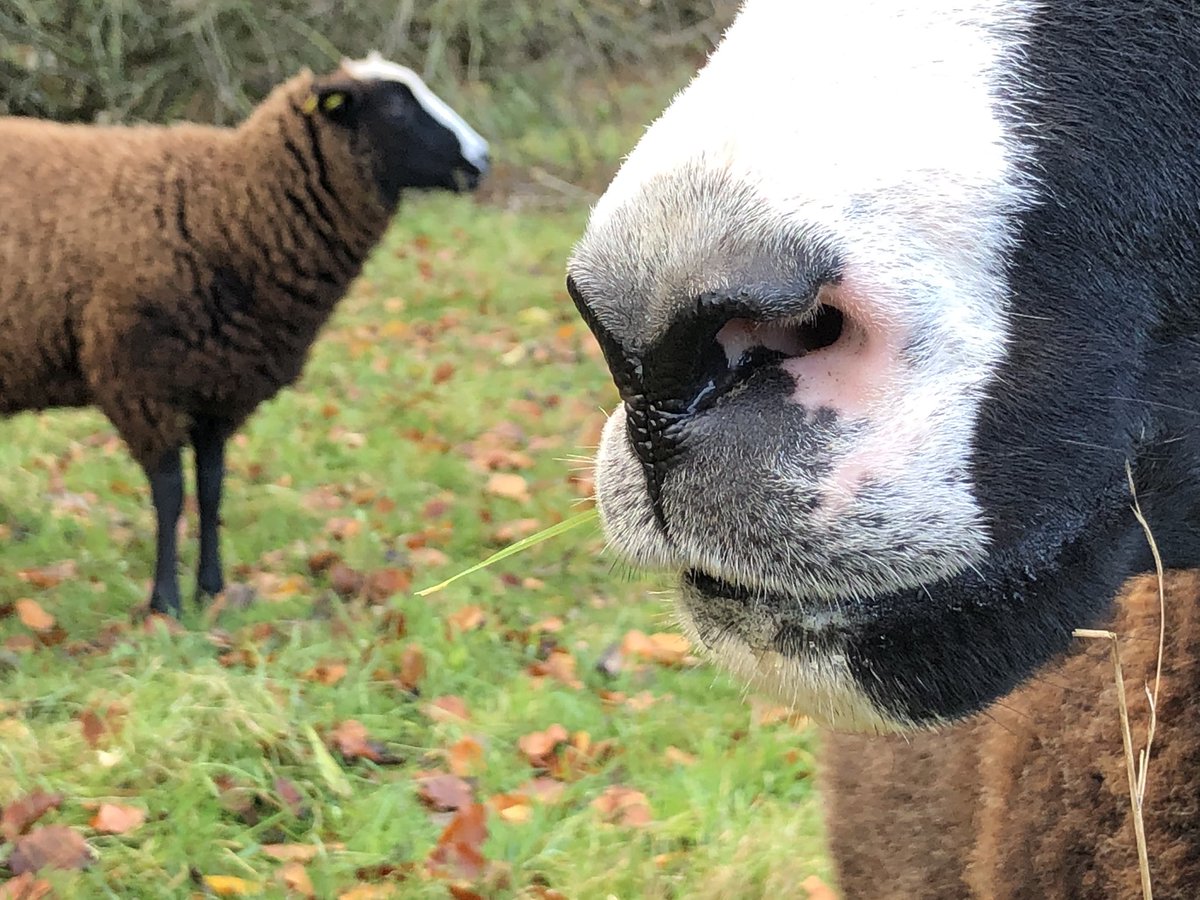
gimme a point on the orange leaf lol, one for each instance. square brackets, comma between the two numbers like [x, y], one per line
[49, 576]
[26, 887]
[664, 648]
[327, 672]
[559, 665]
[412, 667]
[231, 886]
[512, 808]
[51, 847]
[468, 618]
[539, 745]
[509, 485]
[679, 757]
[817, 889]
[300, 853]
[368, 892]
[345, 581]
[465, 756]
[113, 818]
[352, 742]
[32, 616]
[448, 709]
[295, 878]
[623, 806]
[20, 814]
[385, 583]
[457, 854]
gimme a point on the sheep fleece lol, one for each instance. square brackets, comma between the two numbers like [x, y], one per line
[166, 274]
[1031, 800]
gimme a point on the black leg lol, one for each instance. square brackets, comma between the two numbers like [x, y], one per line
[166, 487]
[208, 438]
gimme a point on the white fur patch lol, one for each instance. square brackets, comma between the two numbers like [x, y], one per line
[375, 67]
[878, 126]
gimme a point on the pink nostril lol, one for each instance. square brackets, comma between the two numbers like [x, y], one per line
[788, 338]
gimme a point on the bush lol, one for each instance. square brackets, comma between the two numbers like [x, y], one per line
[211, 60]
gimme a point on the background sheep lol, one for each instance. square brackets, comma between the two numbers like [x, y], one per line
[176, 277]
[1032, 799]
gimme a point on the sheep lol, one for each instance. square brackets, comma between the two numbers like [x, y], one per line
[1032, 799]
[176, 277]
[899, 298]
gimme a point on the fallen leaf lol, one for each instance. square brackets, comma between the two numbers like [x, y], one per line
[345, 581]
[368, 892]
[468, 618]
[458, 854]
[508, 485]
[113, 818]
[515, 530]
[231, 886]
[445, 793]
[679, 757]
[19, 815]
[621, 805]
[295, 878]
[49, 576]
[664, 648]
[512, 808]
[538, 746]
[290, 795]
[26, 887]
[542, 789]
[327, 672]
[465, 756]
[32, 615]
[50, 847]
[300, 853]
[322, 561]
[448, 709]
[341, 528]
[412, 667]
[385, 583]
[559, 665]
[351, 740]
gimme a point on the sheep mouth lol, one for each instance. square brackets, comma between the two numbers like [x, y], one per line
[466, 180]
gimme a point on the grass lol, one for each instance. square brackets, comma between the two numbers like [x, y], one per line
[456, 358]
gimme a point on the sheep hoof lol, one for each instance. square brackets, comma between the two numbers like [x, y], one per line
[167, 603]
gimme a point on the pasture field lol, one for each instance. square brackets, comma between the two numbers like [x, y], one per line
[535, 730]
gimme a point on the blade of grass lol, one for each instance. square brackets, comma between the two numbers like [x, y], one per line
[516, 547]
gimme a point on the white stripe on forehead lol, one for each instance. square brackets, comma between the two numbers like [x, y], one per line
[375, 67]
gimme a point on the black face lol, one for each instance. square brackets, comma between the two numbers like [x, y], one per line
[411, 145]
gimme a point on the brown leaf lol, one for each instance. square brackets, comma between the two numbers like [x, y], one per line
[623, 806]
[322, 561]
[26, 887]
[508, 532]
[351, 740]
[32, 615]
[51, 847]
[368, 892]
[345, 581]
[465, 756]
[341, 528]
[664, 648]
[560, 665]
[445, 793]
[512, 808]
[443, 373]
[412, 667]
[468, 618]
[295, 878]
[300, 853]
[290, 795]
[19, 815]
[539, 746]
[509, 485]
[385, 583]
[113, 818]
[457, 854]
[327, 672]
[448, 709]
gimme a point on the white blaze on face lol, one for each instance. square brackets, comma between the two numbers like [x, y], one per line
[375, 67]
[878, 126]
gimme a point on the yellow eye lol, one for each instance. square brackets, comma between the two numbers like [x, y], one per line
[333, 101]
[310, 105]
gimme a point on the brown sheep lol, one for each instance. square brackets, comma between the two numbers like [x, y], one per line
[1031, 799]
[176, 277]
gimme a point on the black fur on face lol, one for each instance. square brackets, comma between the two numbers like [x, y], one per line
[408, 144]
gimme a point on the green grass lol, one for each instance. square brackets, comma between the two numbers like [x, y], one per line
[459, 339]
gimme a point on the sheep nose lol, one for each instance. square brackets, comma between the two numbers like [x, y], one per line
[664, 384]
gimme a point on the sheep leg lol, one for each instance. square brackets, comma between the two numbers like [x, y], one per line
[208, 438]
[166, 489]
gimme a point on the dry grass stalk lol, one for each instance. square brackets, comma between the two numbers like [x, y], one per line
[1137, 779]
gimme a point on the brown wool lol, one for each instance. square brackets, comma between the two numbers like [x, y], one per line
[1031, 800]
[168, 273]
